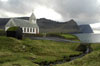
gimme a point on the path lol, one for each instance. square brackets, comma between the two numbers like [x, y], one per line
[54, 39]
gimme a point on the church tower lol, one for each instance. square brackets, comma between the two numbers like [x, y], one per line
[32, 19]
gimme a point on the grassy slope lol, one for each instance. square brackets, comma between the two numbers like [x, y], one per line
[92, 59]
[2, 32]
[63, 35]
[28, 52]
[70, 37]
[12, 53]
[50, 50]
[60, 35]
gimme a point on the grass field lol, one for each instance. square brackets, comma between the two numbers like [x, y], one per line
[2, 32]
[28, 52]
[60, 35]
[70, 37]
[92, 59]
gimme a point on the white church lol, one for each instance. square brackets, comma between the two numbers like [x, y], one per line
[28, 26]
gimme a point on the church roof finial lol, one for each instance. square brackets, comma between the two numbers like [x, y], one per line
[32, 10]
[32, 17]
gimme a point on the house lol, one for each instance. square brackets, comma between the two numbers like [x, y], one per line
[28, 26]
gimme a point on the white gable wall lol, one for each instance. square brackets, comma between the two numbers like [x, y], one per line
[6, 28]
[10, 23]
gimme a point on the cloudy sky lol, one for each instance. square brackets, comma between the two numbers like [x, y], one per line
[82, 11]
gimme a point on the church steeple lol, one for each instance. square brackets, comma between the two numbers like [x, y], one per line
[32, 18]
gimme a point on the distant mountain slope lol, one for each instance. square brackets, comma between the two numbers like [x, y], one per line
[59, 27]
[3, 21]
[86, 28]
[50, 26]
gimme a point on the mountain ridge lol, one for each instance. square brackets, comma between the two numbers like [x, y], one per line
[49, 26]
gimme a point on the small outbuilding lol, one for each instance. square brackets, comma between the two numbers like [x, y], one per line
[15, 32]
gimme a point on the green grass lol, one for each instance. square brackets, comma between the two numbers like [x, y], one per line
[70, 37]
[13, 28]
[10, 58]
[18, 52]
[22, 62]
[63, 35]
[50, 50]
[60, 35]
[92, 59]
[2, 32]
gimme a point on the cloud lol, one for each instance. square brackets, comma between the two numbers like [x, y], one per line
[80, 10]
[83, 11]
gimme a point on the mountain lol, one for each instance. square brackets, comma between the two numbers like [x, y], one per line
[86, 28]
[49, 26]
[3, 21]
[57, 27]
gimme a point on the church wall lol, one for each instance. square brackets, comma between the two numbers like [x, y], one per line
[37, 30]
[30, 30]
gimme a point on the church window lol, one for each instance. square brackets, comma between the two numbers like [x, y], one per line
[27, 29]
[24, 29]
[30, 29]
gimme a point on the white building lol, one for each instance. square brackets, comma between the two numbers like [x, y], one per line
[28, 26]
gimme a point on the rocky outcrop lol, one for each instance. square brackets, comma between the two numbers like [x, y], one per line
[85, 28]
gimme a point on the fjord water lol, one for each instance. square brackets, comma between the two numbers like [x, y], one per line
[89, 37]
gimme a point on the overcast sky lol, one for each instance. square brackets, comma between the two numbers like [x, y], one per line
[82, 11]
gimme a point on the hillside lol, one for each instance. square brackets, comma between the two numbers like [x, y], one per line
[28, 52]
[86, 28]
[92, 59]
[50, 26]
[3, 21]
[58, 27]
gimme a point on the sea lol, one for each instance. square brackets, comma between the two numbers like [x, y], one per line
[89, 37]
